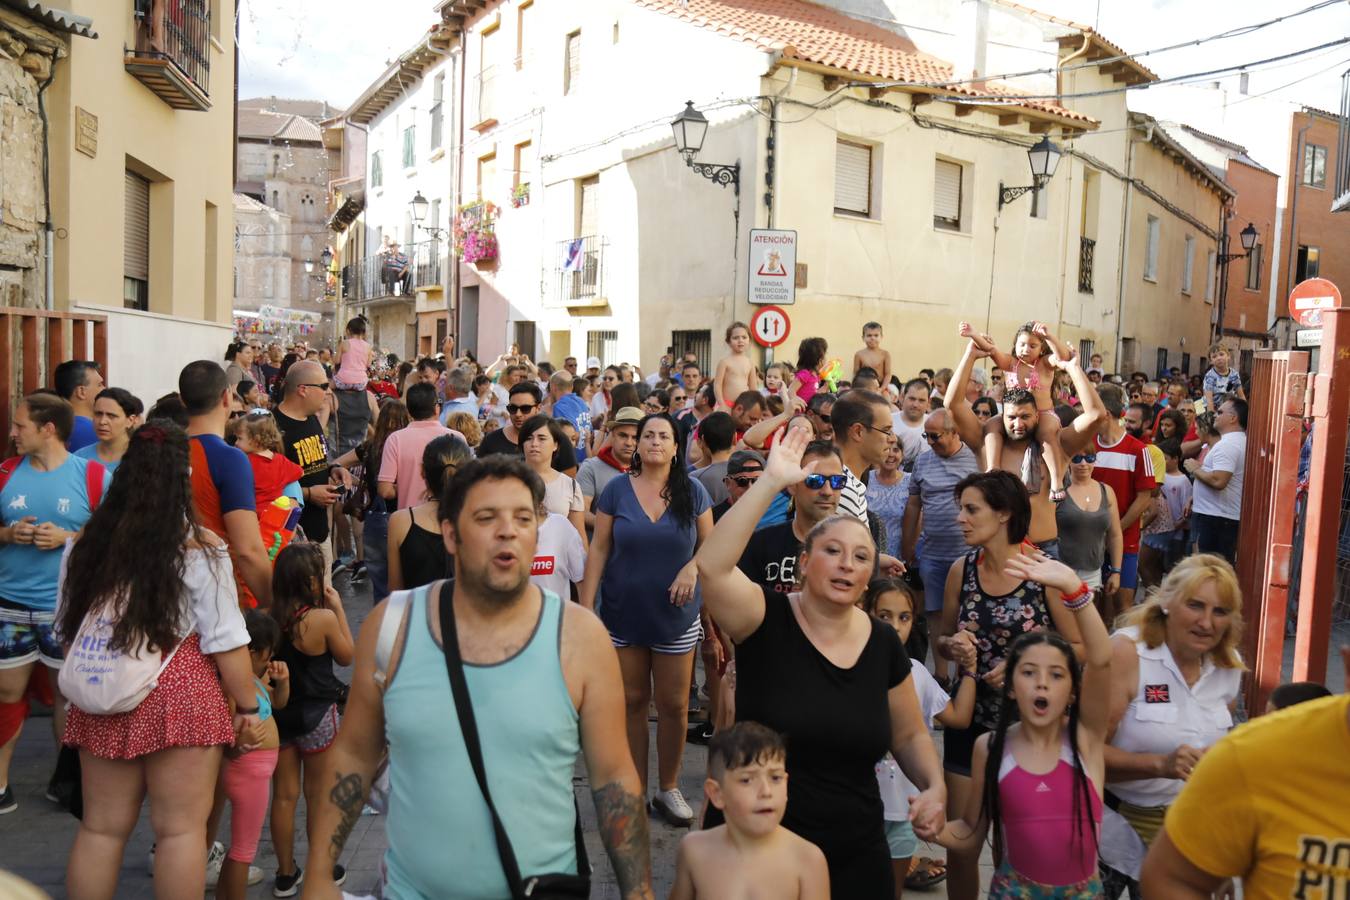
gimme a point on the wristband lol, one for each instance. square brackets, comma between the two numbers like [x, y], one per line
[1079, 598]
[240, 711]
[966, 673]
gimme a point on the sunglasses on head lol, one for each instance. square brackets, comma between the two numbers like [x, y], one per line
[522, 408]
[816, 482]
[1084, 458]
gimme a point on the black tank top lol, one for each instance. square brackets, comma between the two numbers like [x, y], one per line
[423, 556]
[314, 685]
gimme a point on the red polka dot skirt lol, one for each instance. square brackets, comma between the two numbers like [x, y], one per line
[186, 709]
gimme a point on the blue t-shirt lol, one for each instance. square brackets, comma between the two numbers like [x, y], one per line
[574, 409]
[644, 558]
[28, 575]
[81, 434]
[91, 452]
[933, 480]
[1222, 385]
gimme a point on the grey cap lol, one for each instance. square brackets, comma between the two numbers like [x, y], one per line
[744, 460]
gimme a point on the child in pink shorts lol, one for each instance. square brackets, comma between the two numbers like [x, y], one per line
[248, 775]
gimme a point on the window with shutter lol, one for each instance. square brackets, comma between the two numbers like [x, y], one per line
[947, 177]
[1211, 266]
[571, 62]
[1188, 265]
[852, 178]
[1151, 249]
[136, 243]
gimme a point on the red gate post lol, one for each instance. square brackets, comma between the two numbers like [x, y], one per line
[1279, 386]
[1330, 413]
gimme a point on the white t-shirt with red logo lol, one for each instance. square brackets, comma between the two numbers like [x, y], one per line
[560, 558]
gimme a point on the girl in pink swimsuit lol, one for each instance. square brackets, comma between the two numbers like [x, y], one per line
[1038, 781]
[1028, 369]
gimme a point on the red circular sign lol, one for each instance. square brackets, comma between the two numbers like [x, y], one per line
[770, 326]
[1309, 298]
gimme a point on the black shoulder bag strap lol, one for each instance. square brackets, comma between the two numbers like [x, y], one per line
[459, 688]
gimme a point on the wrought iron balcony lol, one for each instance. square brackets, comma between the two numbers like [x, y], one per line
[381, 276]
[1087, 247]
[580, 272]
[172, 56]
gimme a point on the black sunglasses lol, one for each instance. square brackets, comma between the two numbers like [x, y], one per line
[524, 408]
[932, 436]
[1085, 458]
[816, 482]
[322, 387]
[742, 481]
[824, 417]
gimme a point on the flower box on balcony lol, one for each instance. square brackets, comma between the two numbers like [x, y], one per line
[480, 247]
[520, 196]
[475, 232]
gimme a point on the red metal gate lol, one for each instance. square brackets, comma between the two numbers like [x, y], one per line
[1279, 383]
[33, 342]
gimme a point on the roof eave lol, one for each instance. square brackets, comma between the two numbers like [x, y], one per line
[385, 89]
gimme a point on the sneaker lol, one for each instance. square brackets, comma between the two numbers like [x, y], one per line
[699, 733]
[338, 566]
[359, 570]
[215, 858]
[339, 875]
[7, 802]
[672, 806]
[288, 885]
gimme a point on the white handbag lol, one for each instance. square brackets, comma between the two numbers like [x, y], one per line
[103, 681]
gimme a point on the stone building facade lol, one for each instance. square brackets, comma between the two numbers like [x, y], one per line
[262, 255]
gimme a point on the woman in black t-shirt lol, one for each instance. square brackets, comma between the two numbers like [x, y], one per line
[814, 667]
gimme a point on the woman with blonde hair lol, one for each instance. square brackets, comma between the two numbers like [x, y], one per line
[466, 425]
[1175, 674]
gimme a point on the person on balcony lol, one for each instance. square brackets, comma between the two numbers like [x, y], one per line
[396, 270]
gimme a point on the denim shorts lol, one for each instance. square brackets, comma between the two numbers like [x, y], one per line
[28, 635]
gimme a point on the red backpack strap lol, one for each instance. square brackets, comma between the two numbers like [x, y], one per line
[7, 469]
[93, 482]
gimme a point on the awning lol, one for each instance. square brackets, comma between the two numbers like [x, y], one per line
[59, 19]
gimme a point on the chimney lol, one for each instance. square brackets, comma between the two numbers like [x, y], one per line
[972, 40]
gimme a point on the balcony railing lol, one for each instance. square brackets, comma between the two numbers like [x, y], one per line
[580, 271]
[485, 93]
[1087, 247]
[172, 56]
[1341, 201]
[378, 276]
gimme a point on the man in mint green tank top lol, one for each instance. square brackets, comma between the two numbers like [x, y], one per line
[544, 681]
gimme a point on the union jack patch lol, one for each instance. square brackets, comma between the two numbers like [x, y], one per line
[1156, 693]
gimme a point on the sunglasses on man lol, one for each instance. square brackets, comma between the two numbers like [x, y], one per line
[816, 482]
[743, 481]
[933, 437]
[522, 408]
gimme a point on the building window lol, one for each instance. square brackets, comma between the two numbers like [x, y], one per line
[376, 169]
[852, 178]
[948, 178]
[698, 343]
[518, 174]
[1315, 165]
[1309, 262]
[434, 213]
[487, 174]
[437, 116]
[1188, 266]
[1162, 361]
[604, 345]
[1151, 249]
[1254, 268]
[136, 243]
[409, 147]
[571, 62]
[1185, 364]
[1211, 267]
[521, 46]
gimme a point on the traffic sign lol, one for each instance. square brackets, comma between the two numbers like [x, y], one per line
[770, 326]
[1309, 298]
[1309, 337]
[773, 266]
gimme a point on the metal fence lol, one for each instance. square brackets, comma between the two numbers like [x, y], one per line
[580, 270]
[178, 31]
[377, 276]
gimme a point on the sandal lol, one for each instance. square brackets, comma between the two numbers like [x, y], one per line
[927, 873]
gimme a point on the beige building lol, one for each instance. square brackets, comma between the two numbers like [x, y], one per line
[283, 164]
[140, 149]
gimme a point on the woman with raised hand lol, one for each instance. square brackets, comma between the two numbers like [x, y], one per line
[836, 683]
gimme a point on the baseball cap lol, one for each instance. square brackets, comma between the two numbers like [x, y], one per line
[629, 415]
[744, 461]
[593, 362]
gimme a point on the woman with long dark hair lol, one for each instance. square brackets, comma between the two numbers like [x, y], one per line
[169, 584]
[374, 515]
[984, 596]
[648, 526]
[549, 453]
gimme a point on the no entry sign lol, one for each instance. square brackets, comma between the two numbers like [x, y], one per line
[1309, 298]
[770, 326]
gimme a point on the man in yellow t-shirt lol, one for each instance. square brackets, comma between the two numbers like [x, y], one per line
[1269, 804]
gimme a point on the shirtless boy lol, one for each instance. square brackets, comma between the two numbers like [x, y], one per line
[736, 373]
[752, 855]
[871, 356]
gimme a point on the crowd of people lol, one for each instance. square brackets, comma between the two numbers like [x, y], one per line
[1027, 553]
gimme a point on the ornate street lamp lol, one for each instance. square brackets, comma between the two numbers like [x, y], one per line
[1248, 237]
[690, 128]
[418, 205]
[1043, 156]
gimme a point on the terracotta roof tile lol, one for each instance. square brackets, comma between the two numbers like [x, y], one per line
[817, 34]
[266, 125]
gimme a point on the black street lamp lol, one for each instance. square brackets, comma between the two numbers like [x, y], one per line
[1044, 159]
[690, 128]
[1248, 237]
[419, 206]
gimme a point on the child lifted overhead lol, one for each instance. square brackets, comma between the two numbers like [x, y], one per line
[1028, 369]
[736, 373]
[752, 855]
[871, 356]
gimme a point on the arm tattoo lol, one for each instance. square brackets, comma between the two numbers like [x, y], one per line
[623, 828]
[348, 796]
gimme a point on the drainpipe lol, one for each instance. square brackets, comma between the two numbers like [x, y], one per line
[1121, 263]
[456, 171]
[771, 157]
[49, 230]
[1059, 70]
